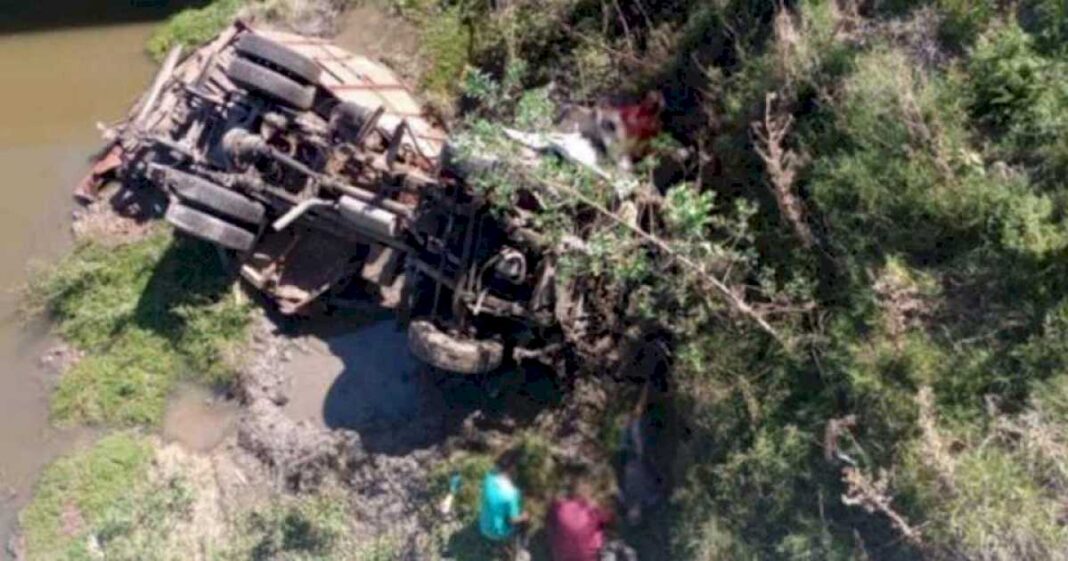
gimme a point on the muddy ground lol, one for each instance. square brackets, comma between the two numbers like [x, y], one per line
[337, 402]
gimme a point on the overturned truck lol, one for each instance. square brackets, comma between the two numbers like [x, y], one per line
[317, 170]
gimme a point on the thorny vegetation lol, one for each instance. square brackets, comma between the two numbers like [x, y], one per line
[860, 284]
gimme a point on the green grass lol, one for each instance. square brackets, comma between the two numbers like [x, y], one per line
[446, 44]
[105, 492]
[309, 527]
[193, 26]
[146, 314]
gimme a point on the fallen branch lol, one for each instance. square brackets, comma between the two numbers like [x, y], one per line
[736, 303]
[871, 495]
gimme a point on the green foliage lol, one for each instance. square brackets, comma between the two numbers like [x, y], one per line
[1048, 21]
[538, 476]
[127, 384]
[689, 212]
[145, 318]
[1023, 96]
[141, 527]
[446, 43]
[193, 26]
[963, 20]
[105, 492]
[471, 468]
[534, 111]
[1006, 74]
[937, 196]
[994, 495]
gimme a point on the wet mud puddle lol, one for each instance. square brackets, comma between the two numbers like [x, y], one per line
[355, 380]
[199, 419]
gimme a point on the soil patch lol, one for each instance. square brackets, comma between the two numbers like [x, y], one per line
[372, 31]
[199, 419]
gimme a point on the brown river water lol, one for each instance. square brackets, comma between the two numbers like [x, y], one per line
[57, 83]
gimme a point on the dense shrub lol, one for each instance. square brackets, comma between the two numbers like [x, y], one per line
[932, 180]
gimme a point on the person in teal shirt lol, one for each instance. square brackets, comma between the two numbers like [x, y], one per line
[502, 501]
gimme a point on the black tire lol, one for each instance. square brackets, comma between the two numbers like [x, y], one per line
[265, 81]
[206, 227]
[352, 114]
[204, 193]
[453, 354]
[285, 59]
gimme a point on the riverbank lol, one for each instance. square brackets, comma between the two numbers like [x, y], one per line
[305, 430]
[47, 135]
[333, 427]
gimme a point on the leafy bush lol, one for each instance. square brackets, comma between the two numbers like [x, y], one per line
[446, 43]
[1022, 94]
[471, 469]
[1006, 73]
[963, 20]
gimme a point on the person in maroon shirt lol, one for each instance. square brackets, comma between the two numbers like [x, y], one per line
[576, 525]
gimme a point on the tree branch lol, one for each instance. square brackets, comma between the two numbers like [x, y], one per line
[735, 302]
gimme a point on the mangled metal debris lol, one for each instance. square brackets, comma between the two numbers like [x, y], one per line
[318, 170]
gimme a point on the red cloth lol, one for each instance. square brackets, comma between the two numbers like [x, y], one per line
[642, 121]
[576, 529]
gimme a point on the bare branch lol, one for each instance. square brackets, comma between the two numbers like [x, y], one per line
[732, 297]
[782, 165]
[871, 495]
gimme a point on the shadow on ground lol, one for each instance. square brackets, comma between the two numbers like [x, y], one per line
[358, 374]
[43, 15]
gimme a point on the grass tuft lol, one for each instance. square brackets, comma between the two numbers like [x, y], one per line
[146, 314]
[193, 26]
[101, 496]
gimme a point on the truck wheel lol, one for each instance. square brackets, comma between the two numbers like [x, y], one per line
[454, 354]
[263, 80]
[206, 227]
[204, 193]
[285, 59]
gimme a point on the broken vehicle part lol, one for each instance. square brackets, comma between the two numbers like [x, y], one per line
[325, 176]
[454, 354]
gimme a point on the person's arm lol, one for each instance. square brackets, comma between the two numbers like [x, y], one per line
[605, 517]
[643, 401]
[634, 425]
[516, 514]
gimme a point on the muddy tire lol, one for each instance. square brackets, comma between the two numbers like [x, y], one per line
[210, 196]
[206, 227]
[454, 354]
[285, 59]
[263, 80]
